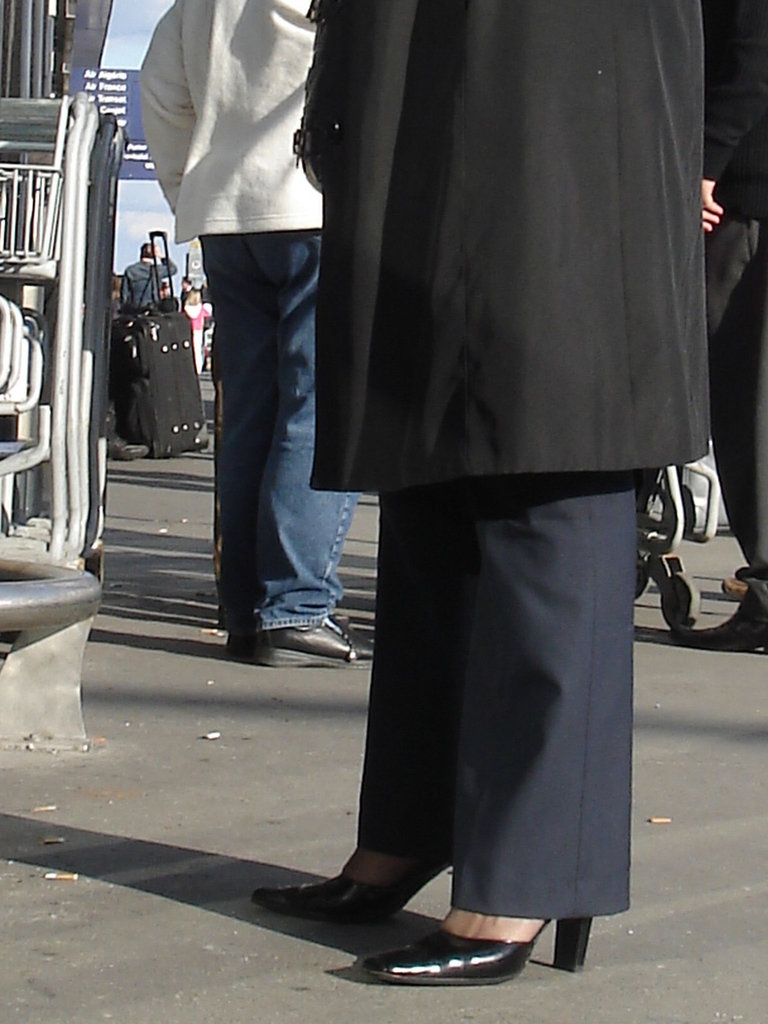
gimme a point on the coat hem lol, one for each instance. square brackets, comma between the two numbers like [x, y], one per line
[424, 476]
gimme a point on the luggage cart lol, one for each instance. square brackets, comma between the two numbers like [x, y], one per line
[64, 205]
[666, 514]
[59, 161]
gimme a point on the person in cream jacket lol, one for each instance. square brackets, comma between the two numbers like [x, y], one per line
[222, 88]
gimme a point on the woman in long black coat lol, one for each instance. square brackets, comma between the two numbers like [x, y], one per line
[510, 323]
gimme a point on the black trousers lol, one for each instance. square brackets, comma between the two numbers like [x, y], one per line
[499, 734]
[737, 312]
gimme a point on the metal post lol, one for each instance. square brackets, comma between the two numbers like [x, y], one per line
[38, 46]
[2, 44]
[25, 50]
[50, 48]
[8, 38]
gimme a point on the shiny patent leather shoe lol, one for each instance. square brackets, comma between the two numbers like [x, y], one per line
[445, 959]
[341, 900]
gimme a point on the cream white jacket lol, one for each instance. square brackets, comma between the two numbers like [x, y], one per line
[222, 89]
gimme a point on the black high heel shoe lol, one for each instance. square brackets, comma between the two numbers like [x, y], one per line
[341, 900]
[445, 959]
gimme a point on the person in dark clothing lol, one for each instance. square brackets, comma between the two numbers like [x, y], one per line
[142, 284]
[735, 218]
[510, 321]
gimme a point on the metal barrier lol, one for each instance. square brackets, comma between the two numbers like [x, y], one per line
[58, 178]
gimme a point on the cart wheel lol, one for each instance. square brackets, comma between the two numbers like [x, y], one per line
[642, 575]
[680, 602]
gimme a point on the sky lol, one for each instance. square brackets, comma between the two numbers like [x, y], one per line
[141, 206]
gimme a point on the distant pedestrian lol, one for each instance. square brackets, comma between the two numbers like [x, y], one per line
[144, 282]
[199, 313]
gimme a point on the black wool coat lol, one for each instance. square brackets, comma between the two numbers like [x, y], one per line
[512, 277]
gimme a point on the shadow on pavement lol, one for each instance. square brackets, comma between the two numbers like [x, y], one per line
[168, 480]
[247, 703]
[211, 882]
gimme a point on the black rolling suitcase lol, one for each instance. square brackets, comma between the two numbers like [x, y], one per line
[153, 380]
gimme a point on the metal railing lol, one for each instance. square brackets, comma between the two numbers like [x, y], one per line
[27, 43]
[56, 242]
[32, 137]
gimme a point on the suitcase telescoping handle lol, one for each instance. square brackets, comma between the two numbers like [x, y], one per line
[165, 305]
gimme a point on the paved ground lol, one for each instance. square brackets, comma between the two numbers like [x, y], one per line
[168, 831]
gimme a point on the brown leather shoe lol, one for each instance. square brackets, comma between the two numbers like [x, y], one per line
[734, 588]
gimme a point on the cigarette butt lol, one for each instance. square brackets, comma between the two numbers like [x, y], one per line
[211, 736]
[659, 821]
[61, 876]
[51, 840]
[44, 808]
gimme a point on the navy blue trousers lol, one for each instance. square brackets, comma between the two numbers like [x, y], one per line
[499, 733]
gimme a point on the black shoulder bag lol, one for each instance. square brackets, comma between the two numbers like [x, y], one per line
[320, 125]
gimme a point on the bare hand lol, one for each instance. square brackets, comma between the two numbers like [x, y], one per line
[711, 211]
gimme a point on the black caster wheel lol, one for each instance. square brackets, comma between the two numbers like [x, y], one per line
[680, 602]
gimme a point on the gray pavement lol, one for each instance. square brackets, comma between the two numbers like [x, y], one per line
[167, 832]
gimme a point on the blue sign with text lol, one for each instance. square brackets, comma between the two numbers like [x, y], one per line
[117, 92]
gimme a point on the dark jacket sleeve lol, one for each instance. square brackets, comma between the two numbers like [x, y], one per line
[737, 93]
[126, 288]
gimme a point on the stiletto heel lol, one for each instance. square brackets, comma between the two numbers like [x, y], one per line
[446, 959]
[571, 939]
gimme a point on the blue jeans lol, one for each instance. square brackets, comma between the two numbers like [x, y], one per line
[281, 540]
